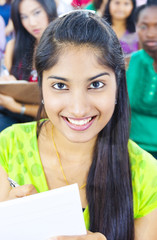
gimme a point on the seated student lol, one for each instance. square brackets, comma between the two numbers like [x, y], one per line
[2, 39]
[85, 138]
[120, 14]
[30, 18]
[142, 80]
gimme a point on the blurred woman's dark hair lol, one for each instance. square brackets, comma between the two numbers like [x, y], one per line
[8, 1]
[150, 3]
[109, 185]
[97, 3]
[24, 41]
[130, 23]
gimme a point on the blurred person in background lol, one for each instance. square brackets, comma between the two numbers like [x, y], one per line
[30, 19]
[142, 80]
[120, 14]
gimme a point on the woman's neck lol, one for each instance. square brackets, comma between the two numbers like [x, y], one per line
[77, 153]
[119, 26]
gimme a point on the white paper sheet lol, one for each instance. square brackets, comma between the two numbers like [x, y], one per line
[43, 215]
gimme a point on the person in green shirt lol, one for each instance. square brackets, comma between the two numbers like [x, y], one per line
[85, 138]
[142, 80]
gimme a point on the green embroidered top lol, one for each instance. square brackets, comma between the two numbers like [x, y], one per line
[19, 156]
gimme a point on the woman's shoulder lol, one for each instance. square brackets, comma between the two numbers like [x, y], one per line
[144, 180]
[15, 141]
[143, 164]
[18, 130]
[136, 153]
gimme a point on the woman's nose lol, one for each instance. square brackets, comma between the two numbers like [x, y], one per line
[32, 21]
[79, 105]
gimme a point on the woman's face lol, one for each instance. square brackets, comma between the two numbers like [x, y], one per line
[120, 9]
[33, 17]
[79, 94]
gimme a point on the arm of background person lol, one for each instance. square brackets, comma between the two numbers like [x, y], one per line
[9, 28]
[16, 107]
[9, 54]
[146, 227]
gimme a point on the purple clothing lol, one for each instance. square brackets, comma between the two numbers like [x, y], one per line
[2, 37]
[129, 42]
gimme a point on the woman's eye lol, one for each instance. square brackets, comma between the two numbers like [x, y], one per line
[23, 17]
[37, 12]
[96, 84]
[60, 86]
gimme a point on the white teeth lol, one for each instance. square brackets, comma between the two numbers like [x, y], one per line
[79, 122]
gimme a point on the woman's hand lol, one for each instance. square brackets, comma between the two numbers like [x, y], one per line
[88, 236]
[21, 191]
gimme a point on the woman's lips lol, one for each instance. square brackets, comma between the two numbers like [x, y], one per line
[36, 31]
[79, 124]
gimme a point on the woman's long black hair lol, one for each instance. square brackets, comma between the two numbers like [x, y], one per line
[8, 1]
[109, 185]
[130, 23]
[25, 42]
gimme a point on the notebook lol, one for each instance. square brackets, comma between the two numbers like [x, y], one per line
[43, 215]
[22, 91]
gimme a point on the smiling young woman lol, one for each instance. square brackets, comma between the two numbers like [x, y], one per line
[85, 138]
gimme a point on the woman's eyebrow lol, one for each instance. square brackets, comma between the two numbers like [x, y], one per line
[99, 75]
[90, 79]
[58, 78]
[33, 10]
